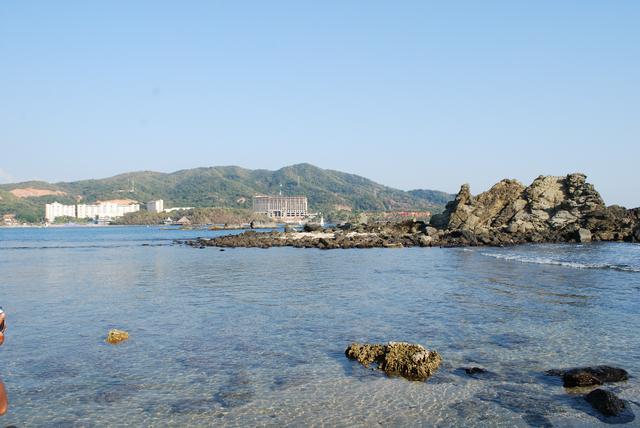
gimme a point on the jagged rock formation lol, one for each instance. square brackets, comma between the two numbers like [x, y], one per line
[551, 209]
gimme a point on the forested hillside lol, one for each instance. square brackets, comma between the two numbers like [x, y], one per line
[223, 186]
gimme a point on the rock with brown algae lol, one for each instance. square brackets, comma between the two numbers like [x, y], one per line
[411, 361]
[116, 336]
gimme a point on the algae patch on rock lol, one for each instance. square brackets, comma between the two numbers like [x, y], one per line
[411, 361]
[116, 336]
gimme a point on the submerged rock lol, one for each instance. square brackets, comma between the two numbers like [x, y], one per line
[473, 370]
[580, 378]
[601, 374]
[606, 402]
[590, 376]
[411, 361]
[116, 336]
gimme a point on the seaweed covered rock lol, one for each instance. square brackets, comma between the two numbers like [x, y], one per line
[411, 361]
[116, 336]
[606, 402]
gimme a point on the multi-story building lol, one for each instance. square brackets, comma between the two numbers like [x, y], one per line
[155, 206]
[56, 209]
[283, 208]
[106, 210]
[102, 210]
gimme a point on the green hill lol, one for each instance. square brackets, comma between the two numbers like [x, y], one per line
[328, 191]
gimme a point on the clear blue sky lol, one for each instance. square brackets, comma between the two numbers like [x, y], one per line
[412, 94]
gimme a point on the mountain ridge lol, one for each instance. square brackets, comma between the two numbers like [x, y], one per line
[228, 186]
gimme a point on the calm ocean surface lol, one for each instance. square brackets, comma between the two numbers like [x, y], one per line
[256, 337]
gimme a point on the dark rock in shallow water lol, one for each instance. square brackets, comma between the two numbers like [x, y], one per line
[593, 376]
[408, 360]
[589, 376]
[473, 370]
[606, 402]
[579, 378]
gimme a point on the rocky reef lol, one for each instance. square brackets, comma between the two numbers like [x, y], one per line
[411, 361]
[551, 209]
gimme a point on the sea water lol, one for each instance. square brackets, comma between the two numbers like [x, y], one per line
[256, 337]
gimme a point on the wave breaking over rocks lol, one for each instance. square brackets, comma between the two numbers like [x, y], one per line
[552, 209]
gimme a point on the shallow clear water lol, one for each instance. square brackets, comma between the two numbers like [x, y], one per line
[256, 337]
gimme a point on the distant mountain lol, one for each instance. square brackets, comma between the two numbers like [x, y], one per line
[328, 191]
[434, 196]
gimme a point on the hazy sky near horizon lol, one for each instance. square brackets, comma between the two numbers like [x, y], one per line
[414, 94]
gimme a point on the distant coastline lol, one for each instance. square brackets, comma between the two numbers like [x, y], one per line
[551, 210]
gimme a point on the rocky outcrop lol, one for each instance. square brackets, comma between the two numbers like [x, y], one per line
[551, 209]
[408, 360]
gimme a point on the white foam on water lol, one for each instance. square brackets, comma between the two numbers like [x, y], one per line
[554, 262]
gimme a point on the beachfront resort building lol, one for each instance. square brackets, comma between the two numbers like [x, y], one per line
[101, 211]
[106, 210]
[56, 209]
[155, 206]
[283, 208]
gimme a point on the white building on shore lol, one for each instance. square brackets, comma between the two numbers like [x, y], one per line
[56, 209]
[106, 210]
[102, 210]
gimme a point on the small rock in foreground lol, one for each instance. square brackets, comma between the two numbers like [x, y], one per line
[411, 361]
[606, 402]
[116, 336]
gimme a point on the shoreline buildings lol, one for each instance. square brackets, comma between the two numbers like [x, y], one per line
[103, 211]
[56, 209]
[283, 208]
